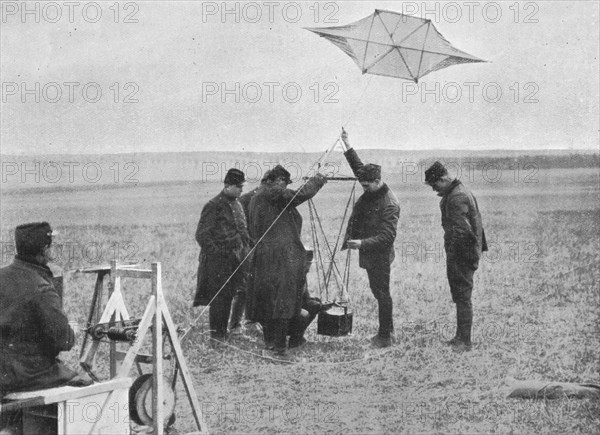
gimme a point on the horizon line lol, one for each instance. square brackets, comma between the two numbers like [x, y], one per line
[436, 150]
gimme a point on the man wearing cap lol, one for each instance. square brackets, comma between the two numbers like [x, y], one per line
[464, 241]
[238, 305]
[33, 327]
[278, 274]
[372, 230]
[222, 234]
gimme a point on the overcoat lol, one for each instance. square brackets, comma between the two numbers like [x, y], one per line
[33, 329]
[277, 278]
[374, 221]
[222, 234]
[245, 201]
[464, 238]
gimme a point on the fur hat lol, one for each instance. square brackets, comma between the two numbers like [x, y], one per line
[234, 177]
[31, 238]
[435, 173]
[279, 172]
[369, 172]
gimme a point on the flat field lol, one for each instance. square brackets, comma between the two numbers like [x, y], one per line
[536, 303]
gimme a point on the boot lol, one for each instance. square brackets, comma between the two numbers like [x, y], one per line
[280, 327]
[238, 305]
[268, 339]
[386, 322]
[464, 312]
[379, 341]
[456, 339]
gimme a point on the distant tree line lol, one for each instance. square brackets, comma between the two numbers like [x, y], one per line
[571, 161]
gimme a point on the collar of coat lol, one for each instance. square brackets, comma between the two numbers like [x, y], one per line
[455, 183]
[31, 262]
[379, 193]
[226, 197]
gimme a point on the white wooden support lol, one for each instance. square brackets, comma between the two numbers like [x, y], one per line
[115, 286]
[145, 323]
[155, 314]
[157, 354]
[185, 373]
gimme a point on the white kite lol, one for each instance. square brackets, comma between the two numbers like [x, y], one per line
[395, 45]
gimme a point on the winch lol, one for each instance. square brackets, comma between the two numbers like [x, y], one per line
[123, 330]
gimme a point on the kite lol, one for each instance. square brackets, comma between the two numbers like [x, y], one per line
[395, 45]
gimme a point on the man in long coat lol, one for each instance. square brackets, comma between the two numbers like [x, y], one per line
[277, 281]
[33, 326]
[464, 242]
[222, 234]
[372, 230]
[238, 305]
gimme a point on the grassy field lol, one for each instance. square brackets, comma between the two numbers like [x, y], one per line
[536, 303]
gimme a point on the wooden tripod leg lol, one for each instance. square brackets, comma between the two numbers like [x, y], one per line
[93, 314]
[137, 344]
[185, 374]
[157, 354]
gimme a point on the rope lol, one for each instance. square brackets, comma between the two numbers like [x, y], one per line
[318, 164]
[357, 105]
[340, 233]
[332, 264]
[347, 266]
[312, 363]
[317, 248]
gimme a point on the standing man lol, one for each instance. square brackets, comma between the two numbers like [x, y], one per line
[277, 281]
[238, 306]
[224, 242]
[33, 326]
[464, 241]
[372, 230]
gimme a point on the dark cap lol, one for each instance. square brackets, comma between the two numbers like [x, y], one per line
[31, 238]
[369, 172]
[278, 172]
[234, 177]
[265, 176]
[435, 173]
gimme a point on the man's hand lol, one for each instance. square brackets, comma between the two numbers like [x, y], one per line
[345, 140]
[320, 178]
[354, 244]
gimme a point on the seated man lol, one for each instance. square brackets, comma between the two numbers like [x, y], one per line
[33, 326]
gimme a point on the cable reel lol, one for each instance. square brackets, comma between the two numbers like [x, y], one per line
[123, 330]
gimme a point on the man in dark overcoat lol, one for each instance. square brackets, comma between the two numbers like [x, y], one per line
[372, 230]
[224, 241]
[238, 305]
[33, 326]
[464, 242]
[277, 281]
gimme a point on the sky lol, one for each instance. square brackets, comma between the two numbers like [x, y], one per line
[120, 77]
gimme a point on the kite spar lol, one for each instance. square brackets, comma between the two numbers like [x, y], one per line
[395, 45]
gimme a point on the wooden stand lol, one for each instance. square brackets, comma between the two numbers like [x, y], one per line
[156, 315]
[95, 409]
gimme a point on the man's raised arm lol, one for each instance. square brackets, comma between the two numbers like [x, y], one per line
[353, 160]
